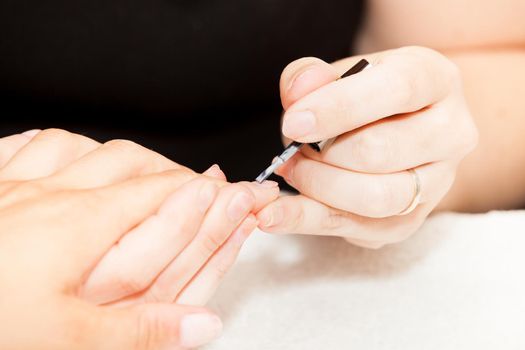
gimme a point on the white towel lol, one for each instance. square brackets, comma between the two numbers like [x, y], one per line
[459, 283]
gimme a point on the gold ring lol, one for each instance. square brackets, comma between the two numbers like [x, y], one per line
[417, 193]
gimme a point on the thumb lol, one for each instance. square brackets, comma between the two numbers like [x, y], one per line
[303, 76]
[154, 326]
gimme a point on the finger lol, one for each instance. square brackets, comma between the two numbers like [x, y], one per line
[372, 195]
[105, 215]
[143, 327]
[263, 193]
[232, 206]
[216, 172]
[303, 76]
[403, 80]
[48, 151]
[201, 288]
[140, 256]
[397, 143]
[302, 215]
[10, 145]
[114, 161]
[119, 208]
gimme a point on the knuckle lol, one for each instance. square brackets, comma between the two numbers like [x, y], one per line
[378, 200]
[20, 191]
[209, 244]
[404, 59]
[298, 219]
[400, 84]
[222, 268]
[335, 221]
[9, 146]
[131, 284]
[124, 146]
[158, 294]
[141, 156]
[149, 329]
[54, 134]
[31, 188]
[371, 151]
[184, 233]
[240, 188]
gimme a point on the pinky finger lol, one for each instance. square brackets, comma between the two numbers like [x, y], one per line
[10, 145]
[200, 289]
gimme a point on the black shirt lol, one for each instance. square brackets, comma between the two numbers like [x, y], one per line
[211, 65]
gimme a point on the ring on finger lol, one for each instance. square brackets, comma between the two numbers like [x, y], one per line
[417, 193]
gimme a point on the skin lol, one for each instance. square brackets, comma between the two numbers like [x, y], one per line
[95, 268]
[463, 87]
[439, 106]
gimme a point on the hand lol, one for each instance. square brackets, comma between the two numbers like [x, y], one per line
[405, 112]
[181, 254]
[66, 201]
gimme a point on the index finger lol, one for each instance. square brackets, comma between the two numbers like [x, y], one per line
[400, 81]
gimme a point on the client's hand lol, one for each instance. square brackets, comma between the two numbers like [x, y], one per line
[68, 203]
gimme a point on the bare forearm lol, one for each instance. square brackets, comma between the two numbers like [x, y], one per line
[493, 176]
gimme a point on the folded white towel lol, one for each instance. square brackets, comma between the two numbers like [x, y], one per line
[457, 284]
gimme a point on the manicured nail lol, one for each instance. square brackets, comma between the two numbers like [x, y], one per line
[207, 194]
[267, 184]
[31, 133]
[239, 206]
[298, 124]
[214, 171]
[272, 215]
[199, 329]
[213, 168]
[302, 77]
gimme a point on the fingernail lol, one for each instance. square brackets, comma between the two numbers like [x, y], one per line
[267, 184]
[214, 171]
[207, 195]
[213, 168]
[303, 76]
[199, 329]
[31, 133]
[239, 206]
[298, 124]
[271, 216]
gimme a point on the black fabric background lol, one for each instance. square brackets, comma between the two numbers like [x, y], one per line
[213, 66]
